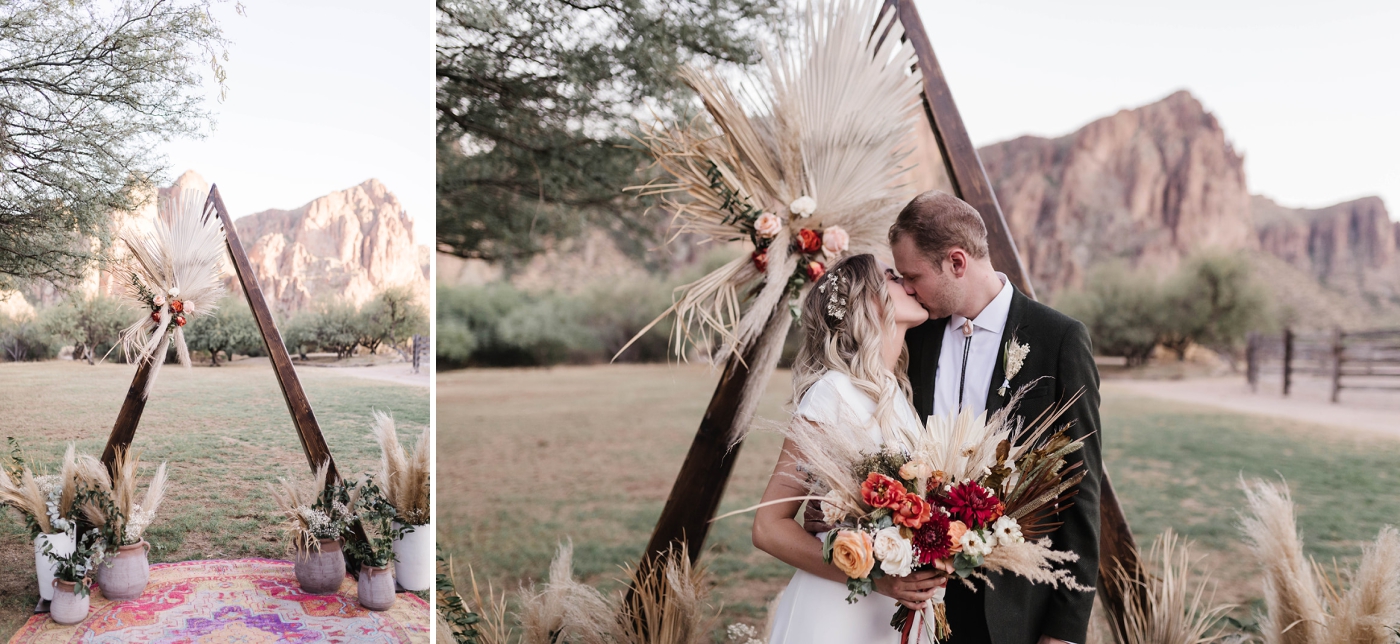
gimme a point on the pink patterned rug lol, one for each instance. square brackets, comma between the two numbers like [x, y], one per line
[248, 601]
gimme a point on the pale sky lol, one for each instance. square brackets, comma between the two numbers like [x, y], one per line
[322, 96]
[1307, 91]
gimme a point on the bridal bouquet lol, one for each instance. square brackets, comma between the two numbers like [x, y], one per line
[962, 494]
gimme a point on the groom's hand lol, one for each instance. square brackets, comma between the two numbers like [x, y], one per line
[912, 591]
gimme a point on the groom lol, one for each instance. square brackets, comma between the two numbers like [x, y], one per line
[957, 360]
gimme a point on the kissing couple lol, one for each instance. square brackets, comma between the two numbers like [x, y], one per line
[891, 346]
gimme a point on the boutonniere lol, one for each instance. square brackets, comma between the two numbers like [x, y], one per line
[1015, 353]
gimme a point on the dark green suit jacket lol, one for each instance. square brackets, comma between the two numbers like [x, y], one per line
[1061, 357]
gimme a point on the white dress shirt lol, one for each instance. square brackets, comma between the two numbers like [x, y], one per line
[976, 380]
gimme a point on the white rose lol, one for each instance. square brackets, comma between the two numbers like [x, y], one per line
[974, 545]
[1007, 531]
[833, 508]
[895, 553]
[174, 291]
[767, 225]
[803, 206]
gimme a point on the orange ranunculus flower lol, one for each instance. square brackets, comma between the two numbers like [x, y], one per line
[880, 491]
[853, 553]
[912, 512]
[809, 240]
[956, 530]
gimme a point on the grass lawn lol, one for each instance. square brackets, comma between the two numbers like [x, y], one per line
[527, 458]
[225, 431]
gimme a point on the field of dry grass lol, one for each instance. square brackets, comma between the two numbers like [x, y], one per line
[225, 432]
[527, 458]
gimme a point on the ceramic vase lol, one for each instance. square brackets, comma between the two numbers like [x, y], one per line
[376, 589]
[414, 560]
[320, 573]
[67, 607]
[124, 573]
[43, 566]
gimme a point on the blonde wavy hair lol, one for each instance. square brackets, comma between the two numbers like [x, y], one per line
[844, 317]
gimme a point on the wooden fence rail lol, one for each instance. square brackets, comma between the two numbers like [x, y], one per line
[1354, 360]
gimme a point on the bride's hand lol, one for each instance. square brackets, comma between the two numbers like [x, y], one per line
[912, 591]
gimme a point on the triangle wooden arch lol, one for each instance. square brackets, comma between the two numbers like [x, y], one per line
[699, 486]
[312, 442]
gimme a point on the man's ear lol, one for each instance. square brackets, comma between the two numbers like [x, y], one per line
[957, 262]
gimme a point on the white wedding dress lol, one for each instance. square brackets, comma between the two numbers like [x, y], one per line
[813, 610]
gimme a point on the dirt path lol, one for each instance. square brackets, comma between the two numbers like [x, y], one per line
[396, 372]
[1366, 411]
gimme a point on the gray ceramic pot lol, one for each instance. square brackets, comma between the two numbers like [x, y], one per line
[67, 607]
[321, 573]
[124, 574]
[376, 588]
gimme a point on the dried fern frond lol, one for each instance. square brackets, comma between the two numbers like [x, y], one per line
[407, 481]
[1173, 611]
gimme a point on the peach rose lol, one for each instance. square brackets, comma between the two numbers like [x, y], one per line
[767, 225]
[835, 240]
[956, 530]
[853, 553]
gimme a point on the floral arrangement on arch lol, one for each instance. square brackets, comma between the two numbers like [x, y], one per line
[174, 272]
[804, 161]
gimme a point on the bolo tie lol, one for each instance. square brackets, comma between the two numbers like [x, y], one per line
[967, 349]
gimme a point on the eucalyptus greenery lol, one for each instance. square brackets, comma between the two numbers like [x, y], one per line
[77, 566]
[376, 514]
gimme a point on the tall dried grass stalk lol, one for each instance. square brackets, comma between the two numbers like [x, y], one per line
[292, 497]
[406, 480]
[1303, 606]
[565, 610]
[1173, 610]
[668, 603]
[23, 493]
[120, 487]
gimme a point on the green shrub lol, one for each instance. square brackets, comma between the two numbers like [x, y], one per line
[23, 338]
[230, 329]
[1124, 310]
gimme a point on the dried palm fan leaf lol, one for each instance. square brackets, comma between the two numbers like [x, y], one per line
[1172, 611]
[173, 274]
[805, 160]
[407, 481]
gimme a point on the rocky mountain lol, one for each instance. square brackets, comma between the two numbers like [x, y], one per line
[1152, 185]
[350, 243]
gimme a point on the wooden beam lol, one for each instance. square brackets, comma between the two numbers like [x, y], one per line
[700, 484]
[964, 166]
[970, 183]
[308, 430]
[124, 430]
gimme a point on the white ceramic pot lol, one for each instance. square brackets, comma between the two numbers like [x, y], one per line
[415, 564]
[376, 588]
[43, 566]
[67, 607]
[124, 574]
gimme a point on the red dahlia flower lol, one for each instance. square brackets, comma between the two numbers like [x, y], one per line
[932, 540]
[809, 240]
[880, 491]
[912, 511]
[815, 271]
[760, 260]
[973, 504]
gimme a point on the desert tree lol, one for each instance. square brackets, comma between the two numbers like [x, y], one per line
[536, 99]
[391, 318]
[88, 88]
[92, 323]
[1213, 301]
[231, 329]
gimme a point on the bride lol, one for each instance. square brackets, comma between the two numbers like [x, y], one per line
[851, 364]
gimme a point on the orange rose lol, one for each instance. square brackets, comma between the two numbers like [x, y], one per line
[155, 316]
[815, 271]
[880, 491]
[177, 306]
[809, 240]
[956, 530]
[180, 320]
[912, 512]
[853, 553]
